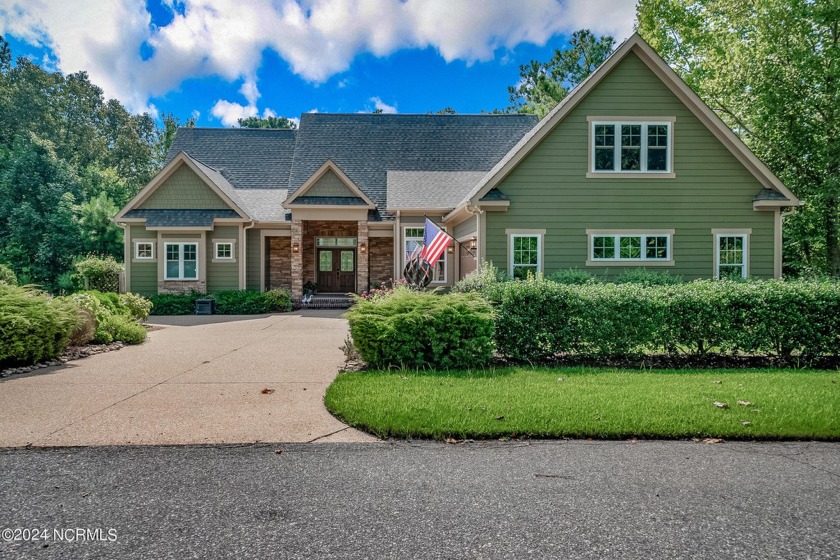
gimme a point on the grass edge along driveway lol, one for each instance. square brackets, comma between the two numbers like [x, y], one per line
[590, 402]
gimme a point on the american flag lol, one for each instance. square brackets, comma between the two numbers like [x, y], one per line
[435, 242]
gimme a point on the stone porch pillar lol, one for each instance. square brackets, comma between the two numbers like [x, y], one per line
[297, 259]
[363, 267]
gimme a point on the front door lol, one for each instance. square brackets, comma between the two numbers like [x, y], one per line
[336, 270]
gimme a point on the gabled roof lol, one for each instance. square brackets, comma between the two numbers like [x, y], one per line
[211, 177]
[156, 218]
[659, 67]
[299, 197]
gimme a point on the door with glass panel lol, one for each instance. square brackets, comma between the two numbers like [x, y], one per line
[336, 270]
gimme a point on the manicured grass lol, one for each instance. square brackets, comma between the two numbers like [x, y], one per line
[586, 402]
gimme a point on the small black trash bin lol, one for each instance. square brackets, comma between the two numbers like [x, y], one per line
[205, 306]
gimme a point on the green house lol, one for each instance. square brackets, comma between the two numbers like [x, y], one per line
[631, 170]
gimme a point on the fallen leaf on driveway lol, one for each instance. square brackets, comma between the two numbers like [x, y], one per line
[278, 451]
[712, 441]
[720, 404]
[267, 391]
[745, 403]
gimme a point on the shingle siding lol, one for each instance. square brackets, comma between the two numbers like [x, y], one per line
[549, 188]
[184, 190]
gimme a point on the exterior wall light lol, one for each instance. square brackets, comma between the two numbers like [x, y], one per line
[363, 248]
[295, 248]
[451, 249]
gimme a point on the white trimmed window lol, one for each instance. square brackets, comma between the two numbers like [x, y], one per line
[731, 255]
[144, 250]
[631, 147]
[413, 241]
[525, 255]
[223, 251]
[634, 247]
[181, 261]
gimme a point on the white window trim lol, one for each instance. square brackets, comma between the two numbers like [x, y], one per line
[136, 256]
[743, 234]
[181, 261]
[539, 234]
[618, 261]
[217, 258]
[444, 257]
[616, 172]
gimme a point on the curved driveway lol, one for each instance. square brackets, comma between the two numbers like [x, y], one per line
[196, 380]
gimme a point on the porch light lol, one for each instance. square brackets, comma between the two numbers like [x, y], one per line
[295, 248]
[363, 248]
[472, 244]
[451, 249]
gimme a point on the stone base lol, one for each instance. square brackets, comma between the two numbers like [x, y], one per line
[182, 286]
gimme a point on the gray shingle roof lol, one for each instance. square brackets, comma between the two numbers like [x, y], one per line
[180, 218]
[249, 158]
[264, 205]
[429, 189]
[769, 194]
[366, 146]
[330, 200]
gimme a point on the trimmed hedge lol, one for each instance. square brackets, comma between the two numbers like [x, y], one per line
[33, 325]
[412, 329]
[538, 319]
[228, 302]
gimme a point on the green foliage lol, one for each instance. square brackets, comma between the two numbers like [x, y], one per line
[229, 302]
[748, 61]
[99, 233]
[33, 326]
[115, 320]
[413, 329]
[137, 306]
[572, 276]
[85, 328]
[480, 279]
[538, 319]
[542, 85]
[267, 122]
[100, 273]
[175, 304]
[7, 275]
[647, 277]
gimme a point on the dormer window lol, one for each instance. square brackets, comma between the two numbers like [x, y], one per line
[631, 147]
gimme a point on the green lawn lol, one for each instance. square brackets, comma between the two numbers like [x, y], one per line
[587, 402]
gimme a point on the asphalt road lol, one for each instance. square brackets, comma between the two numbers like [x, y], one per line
[572, 499]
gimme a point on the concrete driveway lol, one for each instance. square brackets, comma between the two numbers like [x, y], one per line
[196, 380]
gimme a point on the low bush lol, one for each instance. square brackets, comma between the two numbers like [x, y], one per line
[228, 302]
[99, 273]
[120, 328]
[175, 304]
[7, 276]
[573, 277]
[242, 302]
[538, 319]
[480, 279]
[138, 306]
[411, 329]
[281, 300]
[115, 320]
[647, 277]
[33, 325]
[84, 329]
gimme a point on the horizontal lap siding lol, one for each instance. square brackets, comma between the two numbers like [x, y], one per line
[222, 275]
[549, 188]
[143, 274]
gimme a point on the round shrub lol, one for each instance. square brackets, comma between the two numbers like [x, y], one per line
[280, 300]
[416, 330]
[7, 275]
[33, 325]
[138, 306]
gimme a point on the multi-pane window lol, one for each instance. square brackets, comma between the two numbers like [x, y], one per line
[181, 261]
[631, 247]
[144, 250]
[224, 251]
[731, 256]
[525, 255]
[634, 147]
[414, 244]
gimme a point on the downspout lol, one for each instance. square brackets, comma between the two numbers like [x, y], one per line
[398, 249]
[245, 254]
[477, 212]
[126, 255]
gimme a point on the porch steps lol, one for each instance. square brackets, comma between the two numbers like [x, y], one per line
[325, 301]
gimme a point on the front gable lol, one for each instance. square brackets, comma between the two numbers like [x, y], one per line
[184, 190]
[329, 186]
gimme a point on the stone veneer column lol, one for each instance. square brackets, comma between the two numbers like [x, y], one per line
[297, 259]
[362, 267]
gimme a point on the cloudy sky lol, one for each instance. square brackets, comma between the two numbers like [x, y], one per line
[224, 59]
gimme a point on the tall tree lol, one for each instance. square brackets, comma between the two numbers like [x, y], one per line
[770, 69]
[267, 122]
[542, 85]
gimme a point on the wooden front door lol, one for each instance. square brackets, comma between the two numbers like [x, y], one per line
[336, 270]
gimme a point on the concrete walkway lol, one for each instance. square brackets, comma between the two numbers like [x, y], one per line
[196, 380]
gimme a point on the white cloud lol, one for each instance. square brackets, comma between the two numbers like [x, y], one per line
[230, 112]
[382, 106]
[317, 38]
[195, 114]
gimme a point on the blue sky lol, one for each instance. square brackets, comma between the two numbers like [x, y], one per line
[223, 59]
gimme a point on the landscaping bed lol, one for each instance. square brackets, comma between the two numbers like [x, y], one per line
[525, 402]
